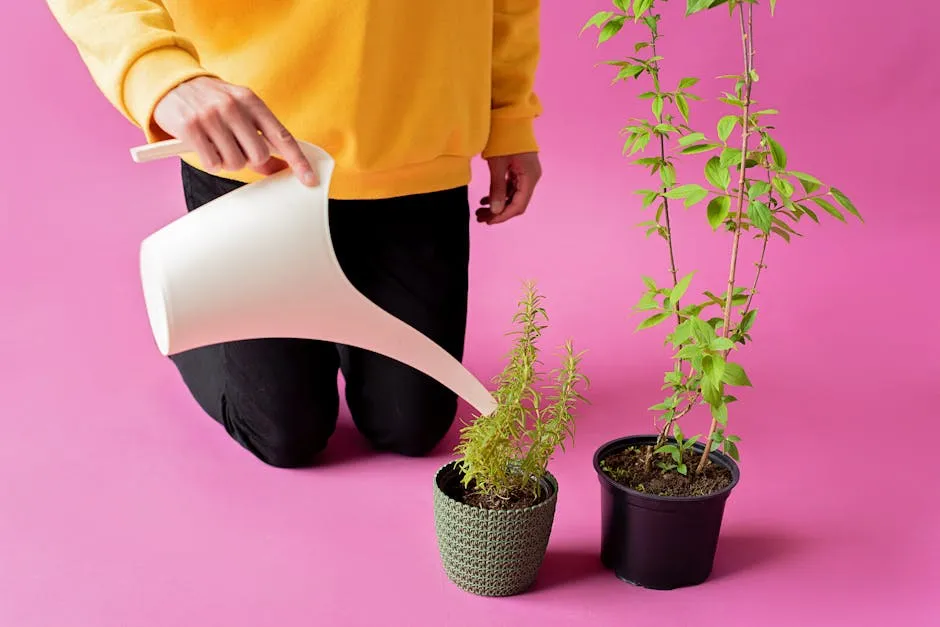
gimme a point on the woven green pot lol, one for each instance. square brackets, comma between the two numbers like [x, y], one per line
[492, 553]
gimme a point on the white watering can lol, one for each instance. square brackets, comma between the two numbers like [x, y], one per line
[259, 263]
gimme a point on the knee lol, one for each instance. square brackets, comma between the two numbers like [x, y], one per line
[416, 429]
[282, 436]
[282, 451]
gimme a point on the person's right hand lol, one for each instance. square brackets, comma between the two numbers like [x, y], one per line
[227, 126]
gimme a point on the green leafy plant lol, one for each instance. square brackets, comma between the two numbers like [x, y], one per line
[750, 190]
[505, 455]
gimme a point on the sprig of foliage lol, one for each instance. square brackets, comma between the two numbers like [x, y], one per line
[507, 452]
[749, 188]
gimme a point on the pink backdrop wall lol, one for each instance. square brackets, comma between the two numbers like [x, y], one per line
[121, 505]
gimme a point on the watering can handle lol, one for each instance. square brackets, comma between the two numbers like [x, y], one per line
[160, 150]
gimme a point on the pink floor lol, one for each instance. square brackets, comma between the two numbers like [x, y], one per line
[121, 505]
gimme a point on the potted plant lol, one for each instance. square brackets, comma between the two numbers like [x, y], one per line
[664, 494]
[494, 505]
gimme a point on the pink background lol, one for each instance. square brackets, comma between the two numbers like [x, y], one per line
[121, 505]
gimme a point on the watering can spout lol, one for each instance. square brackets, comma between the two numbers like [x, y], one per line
[258, 263]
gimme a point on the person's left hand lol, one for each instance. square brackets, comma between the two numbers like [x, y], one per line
[512, 182]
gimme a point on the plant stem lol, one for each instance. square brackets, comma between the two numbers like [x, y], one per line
[673, 270]
[760, 263]
[747, 41]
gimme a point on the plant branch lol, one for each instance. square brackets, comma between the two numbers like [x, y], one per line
[747, 41]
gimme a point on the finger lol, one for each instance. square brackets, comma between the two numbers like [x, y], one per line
[271, 166]
[282, 141]
[233, 158]
[499, 171]
[522, 194]
[256, 150]
[194, 135]
[483, 214]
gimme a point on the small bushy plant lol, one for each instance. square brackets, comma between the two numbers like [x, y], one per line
[750, 190]
[503, 456]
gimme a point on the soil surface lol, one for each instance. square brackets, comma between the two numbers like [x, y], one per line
[630, 469]
[518, 500]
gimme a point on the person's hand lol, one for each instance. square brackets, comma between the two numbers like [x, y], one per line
[230, 128]
[512, 183]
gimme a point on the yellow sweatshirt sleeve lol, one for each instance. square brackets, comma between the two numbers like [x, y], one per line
[516, 48]
[132, 52]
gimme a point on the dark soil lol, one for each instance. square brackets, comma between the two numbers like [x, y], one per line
[517, 500]
[629, 468]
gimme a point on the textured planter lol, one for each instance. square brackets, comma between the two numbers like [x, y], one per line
[486, 552]
[659, 542]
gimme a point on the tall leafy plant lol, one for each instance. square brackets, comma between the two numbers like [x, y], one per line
[748, 189]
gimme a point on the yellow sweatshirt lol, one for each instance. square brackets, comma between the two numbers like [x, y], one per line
[402, 93]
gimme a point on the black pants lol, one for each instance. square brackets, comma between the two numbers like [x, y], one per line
[279, 397]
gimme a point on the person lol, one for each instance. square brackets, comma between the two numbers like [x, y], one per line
[404, 94]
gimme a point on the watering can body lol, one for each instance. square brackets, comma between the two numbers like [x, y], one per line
[259, 262]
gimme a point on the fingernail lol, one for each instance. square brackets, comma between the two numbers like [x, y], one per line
[497, 206]
[309, 178]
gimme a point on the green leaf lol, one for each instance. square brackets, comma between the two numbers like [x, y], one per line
[720, 413]
[812, 214]
[682, 333]
[628, 71]
[696, 197]
[714, 367]
[716, 174]
[777, 152]
[828, 208]
[667, 449]
[843, 200]
[747, 320]
[711, 391]
[642, 140]
[658, 107]
[653, 320]
[691, 138]
[784, 187]
[682, 469]
[685, 83]
[759, 214]
[734, 375]
[809, 182]
[597, 20]
[623, 5]
[647, 302]
[695, 149]
[773, 6]
[610, 29]
[757, 189]
[732, 450]
[685, 191]
[721, 344]
[640, 7]
[668, 175]
[730, 156]
[681, 287]
[702, 331]
[695, 6]
[683, 105]
[726, 126]
[640, 45]
[650, 283]
[718, 208]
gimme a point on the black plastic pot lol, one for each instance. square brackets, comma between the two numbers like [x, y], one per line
[659, 542]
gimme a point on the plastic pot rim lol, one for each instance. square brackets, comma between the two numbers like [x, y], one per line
[619, 444]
